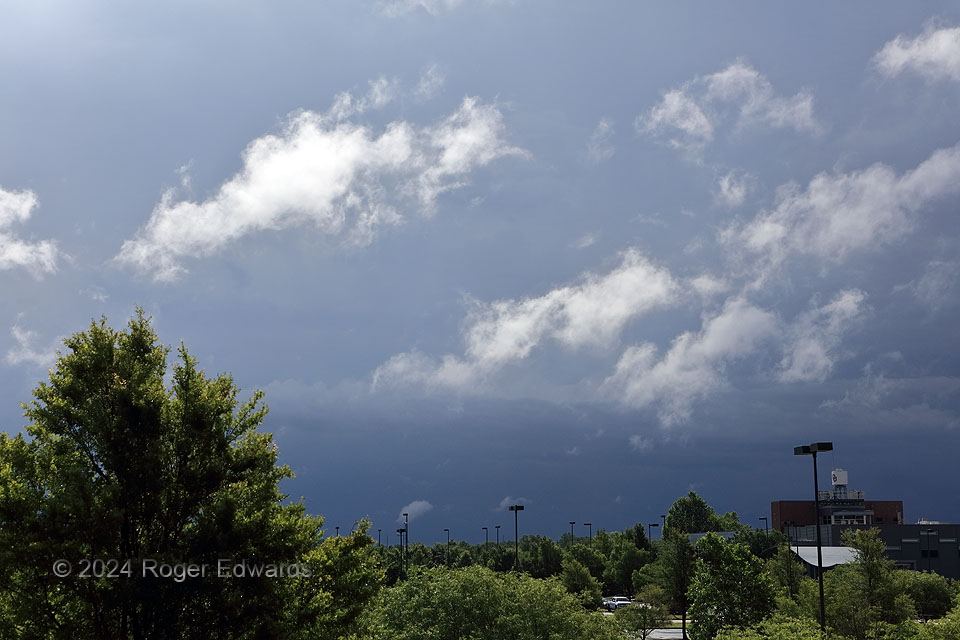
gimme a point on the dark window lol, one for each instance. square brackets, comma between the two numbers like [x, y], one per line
[931, 553]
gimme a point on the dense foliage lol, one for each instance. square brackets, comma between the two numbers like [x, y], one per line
[480, 604]
[117, 467]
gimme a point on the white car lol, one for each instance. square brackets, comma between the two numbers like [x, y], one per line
[616, 602]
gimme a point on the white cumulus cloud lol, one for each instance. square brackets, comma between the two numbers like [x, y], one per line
[339, 177]
[694, 365]
[841, 213]
[37, 257]
[733, 189]
[26, 351]
[600, 146]
[814, 338]
[590, 313]
[414, 510]
[687, 118]
[935, 55]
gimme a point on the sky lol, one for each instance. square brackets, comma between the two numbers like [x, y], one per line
[584, 257]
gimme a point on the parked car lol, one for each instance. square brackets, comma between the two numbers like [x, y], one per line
[616, 602]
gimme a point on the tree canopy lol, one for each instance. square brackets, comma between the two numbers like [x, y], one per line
[119, 469]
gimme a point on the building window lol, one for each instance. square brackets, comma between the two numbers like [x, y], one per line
[906, 540]
[945, 540]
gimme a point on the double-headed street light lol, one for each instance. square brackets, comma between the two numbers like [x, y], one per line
[498, 535]
[516, 508]
[486, 536]
[572, 537]
[589, 526]
[813, 450]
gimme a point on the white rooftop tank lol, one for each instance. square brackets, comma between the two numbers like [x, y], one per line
[839, 477]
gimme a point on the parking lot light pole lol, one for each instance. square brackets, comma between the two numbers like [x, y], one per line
[498, 535]
[650, 527]
[486, 536]
[766, 525]
[516, 508]
[663, 519]
[589, 526]
[813, 450]
[572, 537]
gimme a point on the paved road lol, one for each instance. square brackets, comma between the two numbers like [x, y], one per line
[666, 633]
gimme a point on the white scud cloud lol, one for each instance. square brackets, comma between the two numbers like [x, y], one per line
[937, 287]
[687, 118]
[414, 510]
[838, 214]
[25, 350]
[694, 365]
[600, 146]
[814, 338]
[640, 443]
[36, 257]
[935, 55]
[591, 313]
[339, 177]
[733, 188]
[397, 8]
[509, 501]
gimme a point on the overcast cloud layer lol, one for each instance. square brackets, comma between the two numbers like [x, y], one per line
[482, 253]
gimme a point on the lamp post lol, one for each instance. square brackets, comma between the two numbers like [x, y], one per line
[589, 526]
[448, 546]
[379, 544]
[516, 508]
[663, 519]
[572, 537]
[486, 536]
[812, 450]
[406, 548]
[766, 525]
[403, 566]
[338, 531]
[650, 527]
[498, 535]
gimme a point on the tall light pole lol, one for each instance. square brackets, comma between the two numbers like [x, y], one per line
[486, 536]
[766, 525]
[406, 549]
[572, 537]
[498, 535]
[813, 450]
[403, 566]
[516, 508]
[663, 519]
[589, 526]
[379, 544]
[448, 546]
[650, 529]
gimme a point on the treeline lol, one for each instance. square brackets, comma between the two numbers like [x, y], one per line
[126, 464]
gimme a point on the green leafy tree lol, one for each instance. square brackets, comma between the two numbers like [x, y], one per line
[578, 581]
[640, 619]
[624, 559]
[786, 572]
[763, 544]
[692, 514]
[637, 535]
[776, 628]
[729, 588]
[540, 556]
[930, 592]
[476, 603]
[116, 466]
[589, 557]
[863, 598]
[673, 571]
